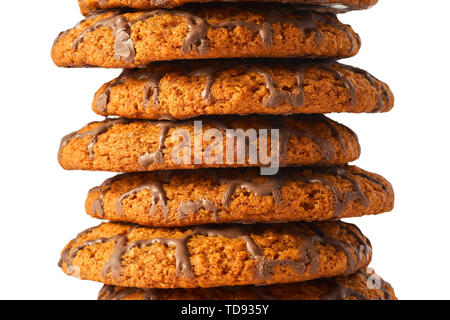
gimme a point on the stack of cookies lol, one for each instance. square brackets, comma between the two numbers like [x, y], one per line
[233, 181]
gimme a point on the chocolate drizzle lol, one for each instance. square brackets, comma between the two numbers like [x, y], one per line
[339, 77]
[94, 133]
[307, 24]
[364, 249]
[123, 45]
[336, 290]
[152, 81]
[197, 37]
[65, 255]
[287, 131]
[190, 207]
[157, 156]
[272, 187]
[264, 267]
[276, 95]
[339, 292]
[383, 99]
[343, 199]
[158, 196]
[327, 151]
[91, 16]
[97, 208]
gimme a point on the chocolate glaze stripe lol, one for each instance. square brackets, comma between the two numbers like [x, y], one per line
[97, 205]
[272, 187]
[70, 252]
[264, 267]
[197, 37]
[91, 16]
[158, 196]
[342, 200]
[94, 133]
[357, 193]
[66, 252]
[276, 96]
[336, 290]
[372, 80]
[381, 184]
[335, 132]
[365, 249]
[123, 45]
[190, 207]
[327, 151]
[74, 252]
[352, 262]
[307, 23]
[286, 132]
[339, 292]
[158, 156]
[152, 85]
[183, 264]
[340, 77]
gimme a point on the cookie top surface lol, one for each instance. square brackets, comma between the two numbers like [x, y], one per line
[87, 6]
[362, 285]
[124, 145]
[119, 39]
[211, 256]
[184, 198]
[187, 89]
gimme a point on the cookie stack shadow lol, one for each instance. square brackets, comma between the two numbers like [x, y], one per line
[194, 215]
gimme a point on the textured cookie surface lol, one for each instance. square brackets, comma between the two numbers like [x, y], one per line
[187, 89]
[118, 39]
[207, 256]
[187, 198]
[124, 145]
[362, 285]
[88, 6]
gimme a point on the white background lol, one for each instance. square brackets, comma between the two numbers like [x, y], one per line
[405, 43]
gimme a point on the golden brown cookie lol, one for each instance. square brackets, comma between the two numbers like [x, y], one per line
[362, 285]
[185, 198]
[87, 6]
[118, 39]
[211, 256]
[125, 145]
[187, 89]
